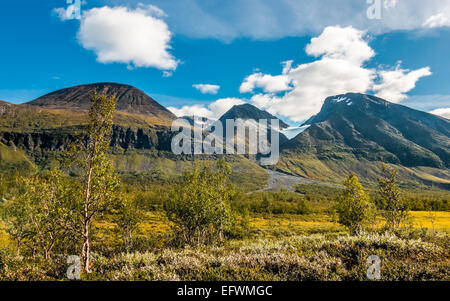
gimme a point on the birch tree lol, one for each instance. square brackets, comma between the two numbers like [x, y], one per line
[100, 183]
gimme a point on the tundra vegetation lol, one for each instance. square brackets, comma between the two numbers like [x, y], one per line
[203, 226]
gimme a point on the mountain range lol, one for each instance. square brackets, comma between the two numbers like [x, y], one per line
[353, 133]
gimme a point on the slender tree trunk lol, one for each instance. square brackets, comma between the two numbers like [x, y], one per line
[86, 244]
[86, 249]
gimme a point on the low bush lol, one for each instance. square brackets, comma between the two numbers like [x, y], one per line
[296, 258]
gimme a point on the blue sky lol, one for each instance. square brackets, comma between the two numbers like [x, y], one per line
[403, 56]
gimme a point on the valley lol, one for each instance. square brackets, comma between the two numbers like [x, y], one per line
[281, 220]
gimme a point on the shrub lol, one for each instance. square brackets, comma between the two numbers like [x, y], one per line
[199, 207]
[353, 208]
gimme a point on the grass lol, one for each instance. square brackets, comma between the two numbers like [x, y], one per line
[437, 220]
[284, 247]
[335, 169]
[13, 159]
[290, 224]
[284, 225]
[295, 258]
[264, 225]
[245, 174]
[28, 118]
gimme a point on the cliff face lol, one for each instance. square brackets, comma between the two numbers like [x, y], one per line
[58, 139]
[147, 139]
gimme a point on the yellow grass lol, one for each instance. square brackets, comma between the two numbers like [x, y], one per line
[156, 223]
[438, 220]
[294, 224]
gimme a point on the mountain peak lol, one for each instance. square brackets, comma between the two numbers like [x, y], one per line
[343, 103]
[247, 111]
[129, 99]
[355, 98]
[360, 126]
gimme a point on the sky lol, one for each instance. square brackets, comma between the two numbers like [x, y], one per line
[204, 56]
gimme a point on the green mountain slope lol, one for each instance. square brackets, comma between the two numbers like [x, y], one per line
[356, 132]
[14, 160]
[36, 133]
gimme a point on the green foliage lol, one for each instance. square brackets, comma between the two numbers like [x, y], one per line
[37, 217]
[272, 202]
[96, 172]
[199, 208]
[128, 218]
[427, 200]
[295, 258]
[14, 160]
[353, 208]
[393, 206]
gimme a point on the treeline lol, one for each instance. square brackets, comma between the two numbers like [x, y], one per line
[272, 202]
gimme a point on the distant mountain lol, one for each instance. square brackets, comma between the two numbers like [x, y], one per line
[33, 135]
[129, 99]
[49, 124]
[355, 132]
[248, 111]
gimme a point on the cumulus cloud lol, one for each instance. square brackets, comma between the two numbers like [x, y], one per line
[214, 110]
[207, 89]
[341, 44]
[269, 83]
[339, 68]
[221, 106]
[136, 37]
[395, 83]
[443, 112]
[262, 19]
[195, 110]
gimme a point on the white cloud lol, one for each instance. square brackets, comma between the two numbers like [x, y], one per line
[341, 44]
[207, 89]
[287, 66]
[214, 110]
[153, 10]
[443, 112]
[221, 106]
[137, 37]
[395, 83]
[264, 19]
[439, 20]
[269, 83]
[195, 110]
[339, 68]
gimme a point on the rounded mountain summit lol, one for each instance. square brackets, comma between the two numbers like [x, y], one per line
[128, 98]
